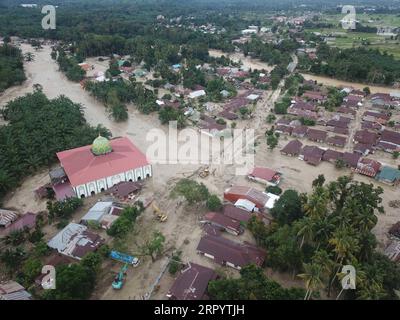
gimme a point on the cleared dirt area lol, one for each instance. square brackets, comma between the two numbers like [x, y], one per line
[182, 229]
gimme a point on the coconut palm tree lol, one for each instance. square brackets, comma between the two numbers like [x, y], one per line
[306, 230]
[313, 278]
[29, 56]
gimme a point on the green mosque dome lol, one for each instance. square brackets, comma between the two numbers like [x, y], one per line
[101, 146]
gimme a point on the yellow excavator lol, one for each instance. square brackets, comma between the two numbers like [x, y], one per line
[161, 216]
[204, 172]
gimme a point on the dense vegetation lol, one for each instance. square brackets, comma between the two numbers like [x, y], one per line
[315, 235]
[252, 284]
[356, 64]
[38, 128]
[11, 67]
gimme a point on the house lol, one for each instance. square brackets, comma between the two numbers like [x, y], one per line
[192, 283]
[265, 175]
[302, 105]
[368, 167]
[230, 253]
[371, 125]
[392, 251]
[283, 129]
[125, 190]
[84, 66]
[339, 130]
[11, 290]
[95, 168]
[366, 137]
[337, 141]
[7, 217]
[346, 110]
[260, 199]
[299, 131]
[197, 94]
[312, 155]
[98, 212]
[376, 116]
[210, 126]
[25, 221]
[363, 149]
[389, 141]
[395, 230]
[316, 135]
[389, 176]
[315, 96]
[75, 241]
[332, 155]
[351, 159]
[223, 223]
[236, 213]
[293, 148]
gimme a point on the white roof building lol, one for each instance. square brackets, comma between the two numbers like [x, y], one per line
[75, 241]
[246, 205]
[97, 212]
[197, 94]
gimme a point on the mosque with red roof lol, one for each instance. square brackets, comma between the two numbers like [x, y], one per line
[95, 168]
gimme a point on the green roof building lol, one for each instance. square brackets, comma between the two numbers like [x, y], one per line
[389, 175]
[101, 146]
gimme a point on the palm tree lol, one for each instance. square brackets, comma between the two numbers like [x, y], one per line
[29, 56]
[316, 206]
[313, 278]
[306, 230]
[344, 245]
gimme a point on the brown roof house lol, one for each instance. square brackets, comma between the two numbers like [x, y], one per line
[299, 131]
[366, 137]
[230, 253]
[192, 283]
[25, 221]
[75, 241]
[312, 155]
[265, 175]
[236, 213]
[332, 155]
[337, 141]
[389, 141]
[293, 148]
[223, 223]
[316, 135]
[351, 159]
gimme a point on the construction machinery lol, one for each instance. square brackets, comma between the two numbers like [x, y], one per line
[204, 172]
[126, 260]
[161, 216]
[120, 277]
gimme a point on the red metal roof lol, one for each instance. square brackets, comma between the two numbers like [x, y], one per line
[192, 283]
[223, 221]
[82, 166]
[265, 174]
[224, 250]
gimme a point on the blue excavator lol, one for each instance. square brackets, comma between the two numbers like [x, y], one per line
[127, 260]
[120, 277]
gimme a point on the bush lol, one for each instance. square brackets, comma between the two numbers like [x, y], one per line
[175, 264]
[274, 189]
[214, 203]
